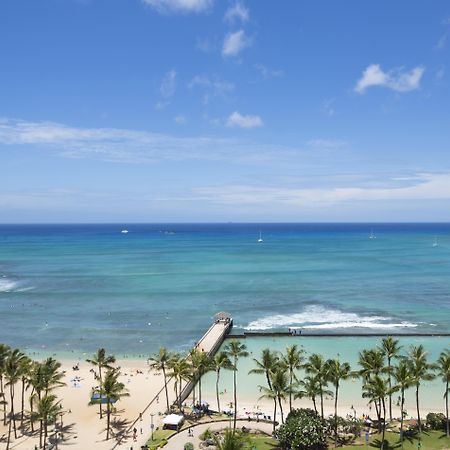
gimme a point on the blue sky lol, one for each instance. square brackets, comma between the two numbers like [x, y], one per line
[208, 110]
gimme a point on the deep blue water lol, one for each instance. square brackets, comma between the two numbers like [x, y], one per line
[76, 287]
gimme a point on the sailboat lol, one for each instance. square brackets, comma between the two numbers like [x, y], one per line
[260, 238]
[435, 243]
[371, 235]
[124, 231]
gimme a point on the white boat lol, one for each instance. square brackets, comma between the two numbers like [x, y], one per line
[260, 238]
[435, 243]
[371, 235]
[124, 231]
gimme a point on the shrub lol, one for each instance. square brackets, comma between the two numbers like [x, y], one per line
[436, 421]
[163, 443]
[304, 430]
[206, 435]
[189, 446]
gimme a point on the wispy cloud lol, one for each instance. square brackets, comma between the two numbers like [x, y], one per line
[328, 144]
[234, 43]
[167, 89]
[244, 121]
[211, 86]
[422, 187]
[131, 146]
[267, 72]
[397, 79]
[180, 119]
[328, 106]
[237, 12]
[179, 6]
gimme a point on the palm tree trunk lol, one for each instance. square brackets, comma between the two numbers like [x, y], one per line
[165, 387]
[321, 400]
[3, 398]
[281, 410]
[446, 408]
[9, 435]
[235, 395]
[378, 411]
[22, 403]
[200, 390]
[390, 387]
[290, 390]
[384, 423]
[335, 414]
[217, 391]
[41, 429]
[418, 409]
[101, 390]
[314, 403]
[274, 413]
[13, 414]
[108, 417]
[31, 410]
[45, 434]
[401, 412]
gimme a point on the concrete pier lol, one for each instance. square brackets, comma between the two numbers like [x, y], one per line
[210, 343]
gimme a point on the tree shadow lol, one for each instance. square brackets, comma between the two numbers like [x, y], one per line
[119, 428]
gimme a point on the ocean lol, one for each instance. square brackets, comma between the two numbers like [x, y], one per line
[73, 288]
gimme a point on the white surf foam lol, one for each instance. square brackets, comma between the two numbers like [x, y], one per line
[7, 285]
[319, 318]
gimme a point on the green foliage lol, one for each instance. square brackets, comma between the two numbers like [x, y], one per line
[436, 421]
[188, 446]
[304, 430]
[206, 435]
[352, 426]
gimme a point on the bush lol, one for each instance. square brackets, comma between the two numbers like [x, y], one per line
[347, 426]
[304, 430]
[163, 443]
[206, 435]
[189, 446]
[436, 421]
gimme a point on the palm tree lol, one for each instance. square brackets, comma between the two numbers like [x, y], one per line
[377, 389]
[293, 360]
[309, 387]
[4, 352]
[180, 370]
[25, 370]
[113, 390]
[270, 394]
[403, 380]
[203, 363]
[443, 368]
[235, 350]
[391, 349]
[337, 372]
[281, 387]
[47, 409]
[231, 440]
[101, 361]
[420, 369]
[221, 361]
[12, 375]
[269, 361]
[317, 367]
[267, 365]
[159, 361]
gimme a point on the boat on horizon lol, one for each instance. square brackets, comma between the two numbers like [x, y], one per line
[124, 231]
[371, 235]
[260, 240]
[435, 243]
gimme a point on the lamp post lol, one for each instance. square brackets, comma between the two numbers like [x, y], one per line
[151, 425]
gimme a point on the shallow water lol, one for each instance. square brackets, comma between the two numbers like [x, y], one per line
[73, 288]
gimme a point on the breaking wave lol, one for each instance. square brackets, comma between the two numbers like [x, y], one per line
[319, 318]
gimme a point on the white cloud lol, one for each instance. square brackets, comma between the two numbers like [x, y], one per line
[211, 86]
[328, 106]
[234, 43]
[422, 187]
[180, 119]
[267, 73]
[397, 80]
[237, 12]
[238, 120]
[328, 144]
[179, 6]
[168, 84]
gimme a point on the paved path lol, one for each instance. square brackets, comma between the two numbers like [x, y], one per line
[213, 336]
[178, 441]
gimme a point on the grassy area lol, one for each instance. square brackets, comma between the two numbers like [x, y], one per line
[429, 440]
[159, 436]
[260, 442]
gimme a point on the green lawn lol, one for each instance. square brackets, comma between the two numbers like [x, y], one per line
[158, 436]
[259, 442]
[429, 440]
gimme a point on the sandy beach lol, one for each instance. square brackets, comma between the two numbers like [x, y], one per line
[83, 429]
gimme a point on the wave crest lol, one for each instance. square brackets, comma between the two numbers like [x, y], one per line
[319, 318]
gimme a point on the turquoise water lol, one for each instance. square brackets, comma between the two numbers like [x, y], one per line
[344, 348]
[73, 288]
